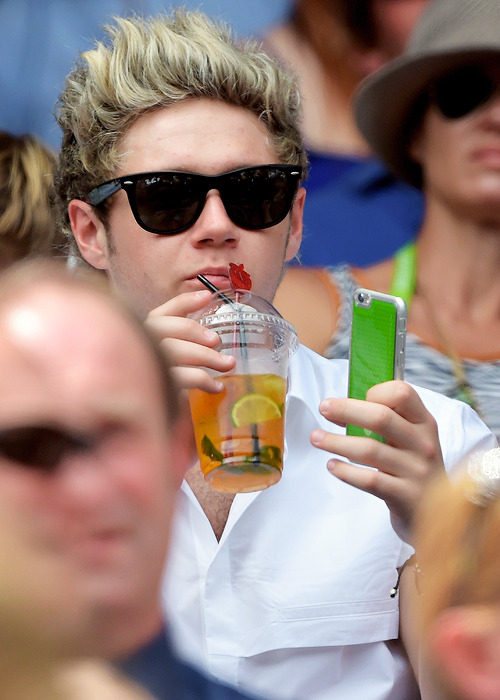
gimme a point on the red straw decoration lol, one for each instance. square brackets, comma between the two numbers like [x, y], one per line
[239, 278]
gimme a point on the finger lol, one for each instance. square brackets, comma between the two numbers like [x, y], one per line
[372, 417]
[196, 378]
[183, 328]
[373, 481]
[183, 304]
[398, 430]
[396, 395]
[188, 354]
[400, 495]
[364, 450]
[401, 397]
[417, 464]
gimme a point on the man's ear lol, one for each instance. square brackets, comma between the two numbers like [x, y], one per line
[465, 644]
[89, 233]
[296, 224]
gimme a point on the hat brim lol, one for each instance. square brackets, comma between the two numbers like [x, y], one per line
[384, 103]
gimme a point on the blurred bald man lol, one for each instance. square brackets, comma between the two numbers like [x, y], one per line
[89, 462]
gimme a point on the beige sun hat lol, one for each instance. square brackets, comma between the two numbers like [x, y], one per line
[449, 34]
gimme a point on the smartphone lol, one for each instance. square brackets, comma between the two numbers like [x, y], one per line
[377, 345]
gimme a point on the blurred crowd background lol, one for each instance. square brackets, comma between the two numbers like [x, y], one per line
[39, 40]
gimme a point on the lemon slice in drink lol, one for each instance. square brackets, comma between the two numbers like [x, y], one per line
[254, 408]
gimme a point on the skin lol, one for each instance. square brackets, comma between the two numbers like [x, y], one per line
[461, 159]
[211, 138]
[103, 515]
[464, 644]
[394, 22]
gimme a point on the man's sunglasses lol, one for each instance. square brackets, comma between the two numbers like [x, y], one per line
[41, 447]
[462, 91]
[170, 202]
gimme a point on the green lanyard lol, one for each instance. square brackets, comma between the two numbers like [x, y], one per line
[403, 284]
[404, 275]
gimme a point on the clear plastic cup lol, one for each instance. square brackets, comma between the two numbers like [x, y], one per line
[240, 431]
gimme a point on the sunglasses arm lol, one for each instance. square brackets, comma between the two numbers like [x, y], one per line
[101, 193]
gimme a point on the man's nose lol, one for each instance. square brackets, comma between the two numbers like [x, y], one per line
[492, 108]
[84, 482]
[214, 227]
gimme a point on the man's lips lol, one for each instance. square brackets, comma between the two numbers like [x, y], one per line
[488, 156]
[100, 546]
[219, 278]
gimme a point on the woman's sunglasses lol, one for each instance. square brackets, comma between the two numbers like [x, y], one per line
[464, 90]
[170, 202]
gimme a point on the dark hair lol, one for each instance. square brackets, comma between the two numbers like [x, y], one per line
[360, 21]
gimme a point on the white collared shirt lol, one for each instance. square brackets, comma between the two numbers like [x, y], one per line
[294, 601]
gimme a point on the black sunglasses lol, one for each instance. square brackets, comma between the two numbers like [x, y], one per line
[462, 91]
[170, 202]
[41, 447]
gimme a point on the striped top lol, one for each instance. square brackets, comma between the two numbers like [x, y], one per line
[425, 366]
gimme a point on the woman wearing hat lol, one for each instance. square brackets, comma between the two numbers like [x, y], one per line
[433, 115]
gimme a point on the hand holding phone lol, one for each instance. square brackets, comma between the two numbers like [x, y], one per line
[377, 347]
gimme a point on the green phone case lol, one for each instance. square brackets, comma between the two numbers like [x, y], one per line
[377, 345]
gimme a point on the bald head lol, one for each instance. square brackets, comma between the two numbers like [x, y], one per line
[38, 312]
[86, 450]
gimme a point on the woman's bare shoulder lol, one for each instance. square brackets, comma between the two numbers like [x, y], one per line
[309, 300]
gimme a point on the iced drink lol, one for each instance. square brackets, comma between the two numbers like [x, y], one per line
[240, 431]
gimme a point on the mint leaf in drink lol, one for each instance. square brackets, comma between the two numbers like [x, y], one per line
[208, 448]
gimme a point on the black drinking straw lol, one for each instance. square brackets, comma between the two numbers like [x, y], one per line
[214, 289]
[227, 300]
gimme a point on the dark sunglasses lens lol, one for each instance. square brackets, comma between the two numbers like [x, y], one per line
[168, 203]
[38, 447]
[462, 91]
[258, 197]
